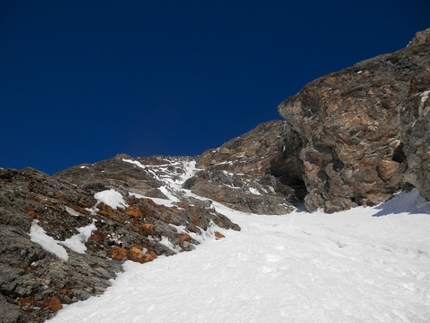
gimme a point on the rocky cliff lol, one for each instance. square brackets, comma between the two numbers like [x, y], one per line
[349, 138]
[364, 128]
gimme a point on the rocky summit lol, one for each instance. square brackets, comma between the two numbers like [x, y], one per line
[350, 138]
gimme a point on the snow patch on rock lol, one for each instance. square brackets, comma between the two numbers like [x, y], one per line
[110, 197]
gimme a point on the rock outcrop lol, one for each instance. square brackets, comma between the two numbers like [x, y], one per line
[258, 172]
[354, 152]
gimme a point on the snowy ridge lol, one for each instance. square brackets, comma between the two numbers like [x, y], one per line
[361, 265]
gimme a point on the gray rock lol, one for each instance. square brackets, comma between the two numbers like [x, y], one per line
[258, 172]
[415, 120]
[9, 313]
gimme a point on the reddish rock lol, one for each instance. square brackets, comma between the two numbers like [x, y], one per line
[25, 301]
[133, 211]
[135, 254]
[32, 214]
[53, 304]
[96, 236]
[219, 235]
[387, 168]
[149, 256]
[184, 237]
[118, 253]
[166, 217]
[146, 229]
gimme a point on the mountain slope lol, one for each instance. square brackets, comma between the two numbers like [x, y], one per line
[361, 265]
[355, 137]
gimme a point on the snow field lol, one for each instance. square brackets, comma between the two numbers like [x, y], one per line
[350, 266]
[362, 265]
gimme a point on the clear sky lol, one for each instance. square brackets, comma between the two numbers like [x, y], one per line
[84, 80]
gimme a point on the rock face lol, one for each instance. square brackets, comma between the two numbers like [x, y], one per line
[258, 172]
[34, 282]
[354, 152]
[415, 121]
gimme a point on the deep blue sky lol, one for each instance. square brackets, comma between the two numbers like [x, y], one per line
[84, 80]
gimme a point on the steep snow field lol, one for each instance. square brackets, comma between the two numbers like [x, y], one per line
[362, 265]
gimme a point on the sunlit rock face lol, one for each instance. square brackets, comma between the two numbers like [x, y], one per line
[349, 121]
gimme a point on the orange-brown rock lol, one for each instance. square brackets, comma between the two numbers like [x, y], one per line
[96, 236]
[53, 304]
[151, 202]
[118, 253]
[387, 168]
[133, 211]
[135, 254]
[184, 237]
[166, 217]
[196, 220]
[25, 301]
[32, 214]
[146, 229]
[219, 235]
[149, 256]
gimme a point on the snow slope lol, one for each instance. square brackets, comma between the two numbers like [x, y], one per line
[361, 265]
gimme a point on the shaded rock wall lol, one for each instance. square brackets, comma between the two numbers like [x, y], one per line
[258, 172]
[353, 152]
[415, 123]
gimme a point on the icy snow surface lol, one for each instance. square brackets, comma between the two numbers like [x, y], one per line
[361, 265]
